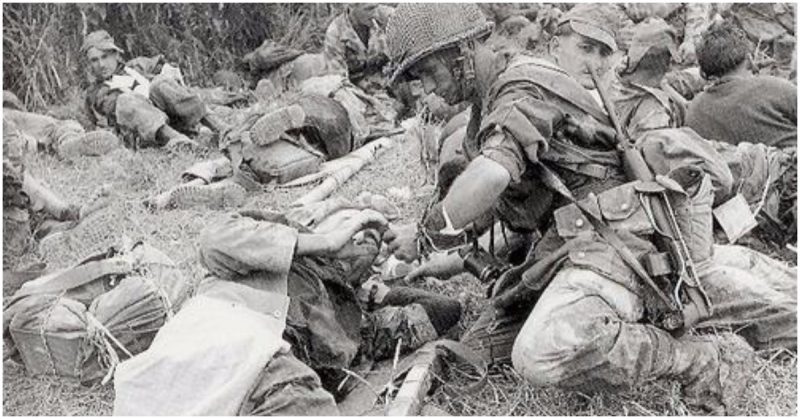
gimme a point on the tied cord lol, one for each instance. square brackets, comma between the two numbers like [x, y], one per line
[43, 329]
[101, 338]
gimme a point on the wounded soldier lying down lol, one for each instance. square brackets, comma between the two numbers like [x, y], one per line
[242, 347]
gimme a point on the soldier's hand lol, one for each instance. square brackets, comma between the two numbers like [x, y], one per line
[338, 239]
[402, 242]
[371, 219]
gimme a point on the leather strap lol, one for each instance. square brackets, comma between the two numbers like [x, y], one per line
[75, 277]
[554, 182]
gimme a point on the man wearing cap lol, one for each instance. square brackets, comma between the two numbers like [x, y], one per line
[639, 100]
[759, 172]
[538, 140]
[143, 98]
[355, 44]
[687, 20]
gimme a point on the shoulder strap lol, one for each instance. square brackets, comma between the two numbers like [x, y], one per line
[557, 82]
[75, 277]
[554, 182]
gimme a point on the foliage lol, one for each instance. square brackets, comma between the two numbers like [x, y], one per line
[41, 42]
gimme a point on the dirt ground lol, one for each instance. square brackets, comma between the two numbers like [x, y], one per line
[135, 176]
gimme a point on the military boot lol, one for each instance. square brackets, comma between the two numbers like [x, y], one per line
[94, 143]
[270, 126]
[97, 232]
[216, 195]
[442, 312]
[714, 371]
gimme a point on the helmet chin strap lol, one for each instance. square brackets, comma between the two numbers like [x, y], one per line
[464, 70]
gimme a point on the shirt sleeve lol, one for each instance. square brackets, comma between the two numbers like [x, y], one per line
[334, 47]
[147, 66]
[649, 115]
[502, 149]
[519, 120]
[237, 246]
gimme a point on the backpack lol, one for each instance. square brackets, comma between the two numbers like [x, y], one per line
[78, 322]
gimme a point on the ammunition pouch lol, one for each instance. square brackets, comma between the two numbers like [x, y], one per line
[620, 207]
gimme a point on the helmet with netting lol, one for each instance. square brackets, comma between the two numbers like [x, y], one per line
[416, 30]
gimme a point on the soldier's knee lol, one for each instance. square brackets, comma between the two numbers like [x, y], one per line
[159, 83]
[553, 351]
[535, 360]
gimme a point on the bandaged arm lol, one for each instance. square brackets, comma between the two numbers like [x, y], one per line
[475, 191]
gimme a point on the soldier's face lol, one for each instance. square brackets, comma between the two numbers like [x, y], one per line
[574, 51]
[102, 63]
[436, 77]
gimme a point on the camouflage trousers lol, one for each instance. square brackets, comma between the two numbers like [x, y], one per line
[587, 332]
[40, 130]
[169, 101]
[289, 387]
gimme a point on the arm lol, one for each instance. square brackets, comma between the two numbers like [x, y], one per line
[147, 66]
[330, 243]
[475, 191]
[334, 48]
[101, 100]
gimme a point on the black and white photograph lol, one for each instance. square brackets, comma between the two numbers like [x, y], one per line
[399, 209]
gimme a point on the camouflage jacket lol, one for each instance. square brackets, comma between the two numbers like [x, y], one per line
[526, 104]
[642, 108]
[101, 100]
[347, 54]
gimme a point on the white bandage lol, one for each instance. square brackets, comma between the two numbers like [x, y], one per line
[448, 228]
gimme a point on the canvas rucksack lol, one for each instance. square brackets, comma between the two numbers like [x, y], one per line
[80, 321]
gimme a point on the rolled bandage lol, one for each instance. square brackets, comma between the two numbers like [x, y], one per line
[448, 225]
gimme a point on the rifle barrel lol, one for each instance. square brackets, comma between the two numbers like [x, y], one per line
[612, 112]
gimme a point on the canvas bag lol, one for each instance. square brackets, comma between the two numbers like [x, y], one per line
[81, 321]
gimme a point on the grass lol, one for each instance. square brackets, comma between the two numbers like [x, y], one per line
[135, 176]
[42, 61]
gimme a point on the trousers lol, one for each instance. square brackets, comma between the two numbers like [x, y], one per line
[587, 331]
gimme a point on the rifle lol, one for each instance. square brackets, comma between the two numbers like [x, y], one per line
[682, 279]
[685, 281]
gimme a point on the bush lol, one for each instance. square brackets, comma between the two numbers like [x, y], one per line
[43, 65]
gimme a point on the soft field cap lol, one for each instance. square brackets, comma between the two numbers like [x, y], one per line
[100, 40]
[648, 34]
[596, 21]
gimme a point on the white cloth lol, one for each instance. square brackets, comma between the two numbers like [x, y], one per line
[206, 359]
